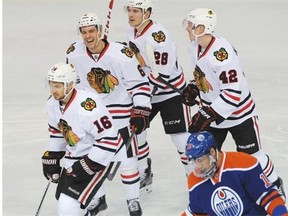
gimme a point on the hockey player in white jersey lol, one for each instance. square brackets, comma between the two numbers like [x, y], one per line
[220, 83]
[142, 32]
[82, 132]
[112, 70]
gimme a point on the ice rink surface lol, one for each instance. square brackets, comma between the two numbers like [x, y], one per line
[36, 34]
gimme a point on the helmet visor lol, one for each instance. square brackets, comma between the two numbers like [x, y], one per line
[204, 166]
[188, 24]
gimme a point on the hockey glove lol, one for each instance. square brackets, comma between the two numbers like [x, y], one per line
[139, 120]
[190, 92]
[202, 119]
[84, 168]
[51, 165]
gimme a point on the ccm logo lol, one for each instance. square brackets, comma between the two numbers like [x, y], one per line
[172, 122]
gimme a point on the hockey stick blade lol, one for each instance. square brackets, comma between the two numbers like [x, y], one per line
[112, 174]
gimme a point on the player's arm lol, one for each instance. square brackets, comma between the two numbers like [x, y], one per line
[227, 101]
[56, 151]
[188, 212]
[263, 191]
[137, 84]
[194, 209]
[231, 82]
[136, 81]
[106, 143]
[165, 59]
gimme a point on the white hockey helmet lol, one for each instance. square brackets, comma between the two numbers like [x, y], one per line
[62, 72]
[203, 16]
[90, 19]
[143, 4]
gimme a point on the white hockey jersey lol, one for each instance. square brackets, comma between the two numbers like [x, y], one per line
[222, 82]
[165, 53]
[125, 84]
[84, 126]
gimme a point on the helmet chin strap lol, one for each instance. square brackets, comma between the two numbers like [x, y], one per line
[66, 94]
[197, 36]
[212, 169]
[98, 39]
[143, 20]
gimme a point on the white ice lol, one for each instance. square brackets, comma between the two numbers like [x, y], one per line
[36, 34]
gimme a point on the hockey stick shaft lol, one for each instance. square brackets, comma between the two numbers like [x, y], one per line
[151, 57]
[114, 171]
[43, 197]
[107, 26]
[106, 31]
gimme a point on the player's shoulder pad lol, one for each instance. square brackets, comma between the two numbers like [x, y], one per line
[51, 102]
[222, 52]
[49, 97]
[88, 100]
[194, 181]
[75, 46]
[158, 34]
[239, 160]
[120, 50]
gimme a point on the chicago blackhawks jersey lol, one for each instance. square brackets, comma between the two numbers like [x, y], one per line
[221, 81]
[239, 188]
[115, 74]
[165, 52]
[84, 126]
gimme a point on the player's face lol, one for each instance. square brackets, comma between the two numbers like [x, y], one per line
[191, 29]
[135, 16]
[57, 90]
[201, 165]
[90, 36]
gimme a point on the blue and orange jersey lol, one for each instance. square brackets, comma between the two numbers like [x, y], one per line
[238, 188]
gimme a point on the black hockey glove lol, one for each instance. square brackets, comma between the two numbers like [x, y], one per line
[202, 119]
[190, 92]
[51, 165]
[139, 120]
[84, 168]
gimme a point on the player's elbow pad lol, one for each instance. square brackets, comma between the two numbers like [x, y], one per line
[280, 210]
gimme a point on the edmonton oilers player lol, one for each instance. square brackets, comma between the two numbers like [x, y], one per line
[228, 183]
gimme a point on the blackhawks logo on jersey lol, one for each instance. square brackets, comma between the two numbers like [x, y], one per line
[221, 55]
[136, 51]
[127, 51]
[201, 81]
[71, 48]
[89, 104]
[102, 80]
[159, 36]
[70, 137]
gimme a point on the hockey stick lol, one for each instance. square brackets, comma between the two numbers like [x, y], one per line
[114, 171]
[45, 192]
[151, 58]
[107, 26]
